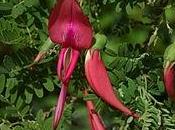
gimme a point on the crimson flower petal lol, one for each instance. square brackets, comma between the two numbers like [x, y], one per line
[99, 81]
[67, 61]
[169, 81]
[60, 106]
[68, 25]
[73, 61]
[60, 63]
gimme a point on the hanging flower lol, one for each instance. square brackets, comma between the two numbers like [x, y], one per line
[60, 106]
[99, 81]
[70, 28]
[169, 70]
[169, 80]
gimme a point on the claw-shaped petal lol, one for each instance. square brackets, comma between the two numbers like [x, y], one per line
[73, 61]
[60, 106]
[67, 61]
[60, 63]
[99, 81]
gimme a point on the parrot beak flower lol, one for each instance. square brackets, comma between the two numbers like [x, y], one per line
[60, 106]
[66, 63]
[169, 80]
[169, 71]
[94, 117]
[99, 81]
[69, 27]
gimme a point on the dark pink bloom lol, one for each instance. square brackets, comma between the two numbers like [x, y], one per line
[60, 106]
[66, 63]
[99, 81]
[70, 28]
[169, 80]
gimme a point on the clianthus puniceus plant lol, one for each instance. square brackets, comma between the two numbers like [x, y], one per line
[70, 28]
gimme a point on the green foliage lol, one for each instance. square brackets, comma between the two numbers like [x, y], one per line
[137, 33]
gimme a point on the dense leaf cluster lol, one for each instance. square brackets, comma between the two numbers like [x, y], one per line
[138, 32]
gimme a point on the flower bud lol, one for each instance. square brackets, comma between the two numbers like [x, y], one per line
[99, 81]
[169, 71]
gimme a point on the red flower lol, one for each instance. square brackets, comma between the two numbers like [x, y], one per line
[169, 71]
[99, 81]
[60, 106]
[66, 63]
[70, 28]
[169, 80]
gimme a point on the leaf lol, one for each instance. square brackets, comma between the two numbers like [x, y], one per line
[128, 66]
[11, 82]
[25, 110]
[130, 119]
[49, 85]
[5, 6]
[2, 82]
[17, 10]
[19, 102]
[104, 2]
[30, 3]
[29, 96]
[8, 63]
[30, 20]
[131, 87]
[40, 116]
[13, 97]
[3, 99]
[39, 92]
[161, 86]
[4, 127]
[3, 70]
[127, 96]
[18, 128]
[90, 97]
[47, 122]
[7, 93]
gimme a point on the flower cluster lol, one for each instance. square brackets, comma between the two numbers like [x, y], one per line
[69, 27]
